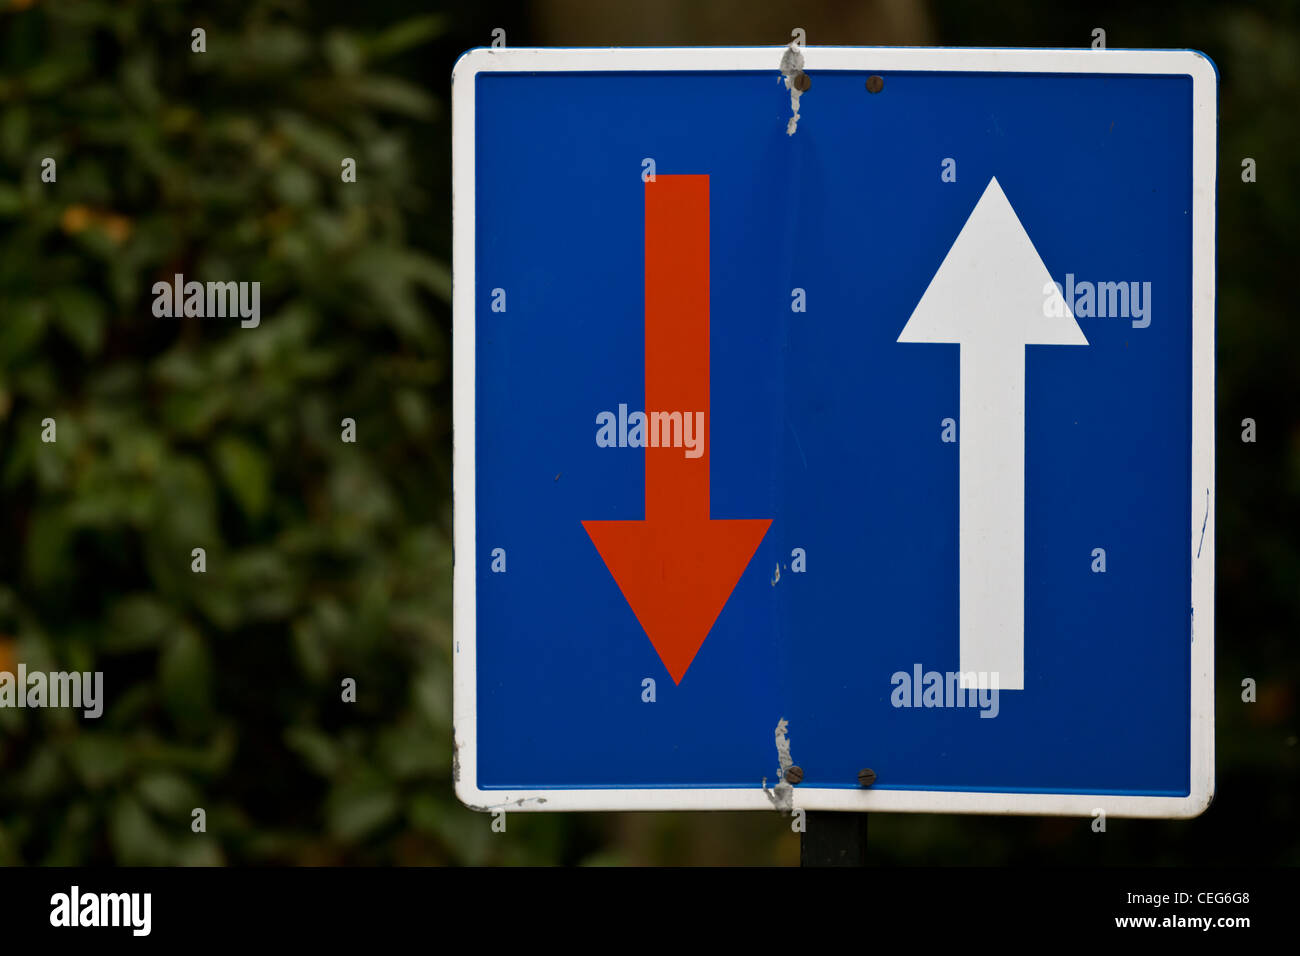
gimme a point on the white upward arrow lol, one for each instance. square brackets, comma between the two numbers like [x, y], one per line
[992, 296]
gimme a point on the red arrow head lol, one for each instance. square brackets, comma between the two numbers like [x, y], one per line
[677, 576]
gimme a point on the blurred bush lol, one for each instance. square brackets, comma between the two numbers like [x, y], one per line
[325, 560]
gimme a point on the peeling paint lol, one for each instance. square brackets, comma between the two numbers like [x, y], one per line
[455, 761]
[782, 795]
[489, 808]
[777, 576]
[792, 66]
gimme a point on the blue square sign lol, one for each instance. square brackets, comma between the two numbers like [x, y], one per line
[839, 409]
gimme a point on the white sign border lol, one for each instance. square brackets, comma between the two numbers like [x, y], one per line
[821, 59]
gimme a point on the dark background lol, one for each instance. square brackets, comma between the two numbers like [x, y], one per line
[328, 560]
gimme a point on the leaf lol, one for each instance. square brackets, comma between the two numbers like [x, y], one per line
[98, 759]
[20, 330]
[314, 141]
[273, 46]
[167, 793]
[80, 316]
[410, 751]
[193, 413]
[184, 508]
[136, 839]
[404, 35]
[460, 829]
[432, 273]
[310, 649]
[15, 128]
[357, 809]
[137, 621]
[343, 51]
[44, 775]
[317, 749]
[11, 200]
[49, 540]
[246, 474]
[389, 93]
[185, 673]
[293, 185]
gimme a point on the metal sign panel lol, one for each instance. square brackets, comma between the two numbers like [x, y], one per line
[835, 408]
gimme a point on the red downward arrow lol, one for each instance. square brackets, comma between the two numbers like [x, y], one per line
[678, 567]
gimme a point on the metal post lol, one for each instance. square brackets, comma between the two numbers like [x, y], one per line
[833, 839]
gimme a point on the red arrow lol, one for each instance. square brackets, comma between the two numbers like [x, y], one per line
[678, 567]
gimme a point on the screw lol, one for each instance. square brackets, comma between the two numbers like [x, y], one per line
[794, 775]
[801, 82]
[875, 84]
[866, 777]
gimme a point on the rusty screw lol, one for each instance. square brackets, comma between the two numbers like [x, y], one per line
[801, 82]
[866, 777]
[875, 84]
[794, 775]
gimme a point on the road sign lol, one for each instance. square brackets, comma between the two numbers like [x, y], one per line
[833, 410]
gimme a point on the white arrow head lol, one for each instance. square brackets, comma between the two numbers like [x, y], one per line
[992, 287]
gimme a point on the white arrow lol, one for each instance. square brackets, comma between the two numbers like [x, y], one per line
[992, 295]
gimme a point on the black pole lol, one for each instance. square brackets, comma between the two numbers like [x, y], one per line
[833, 839]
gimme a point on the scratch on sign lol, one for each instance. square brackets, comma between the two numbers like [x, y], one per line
[1204, 522]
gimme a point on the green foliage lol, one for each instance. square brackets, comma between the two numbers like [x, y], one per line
[325, 560]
